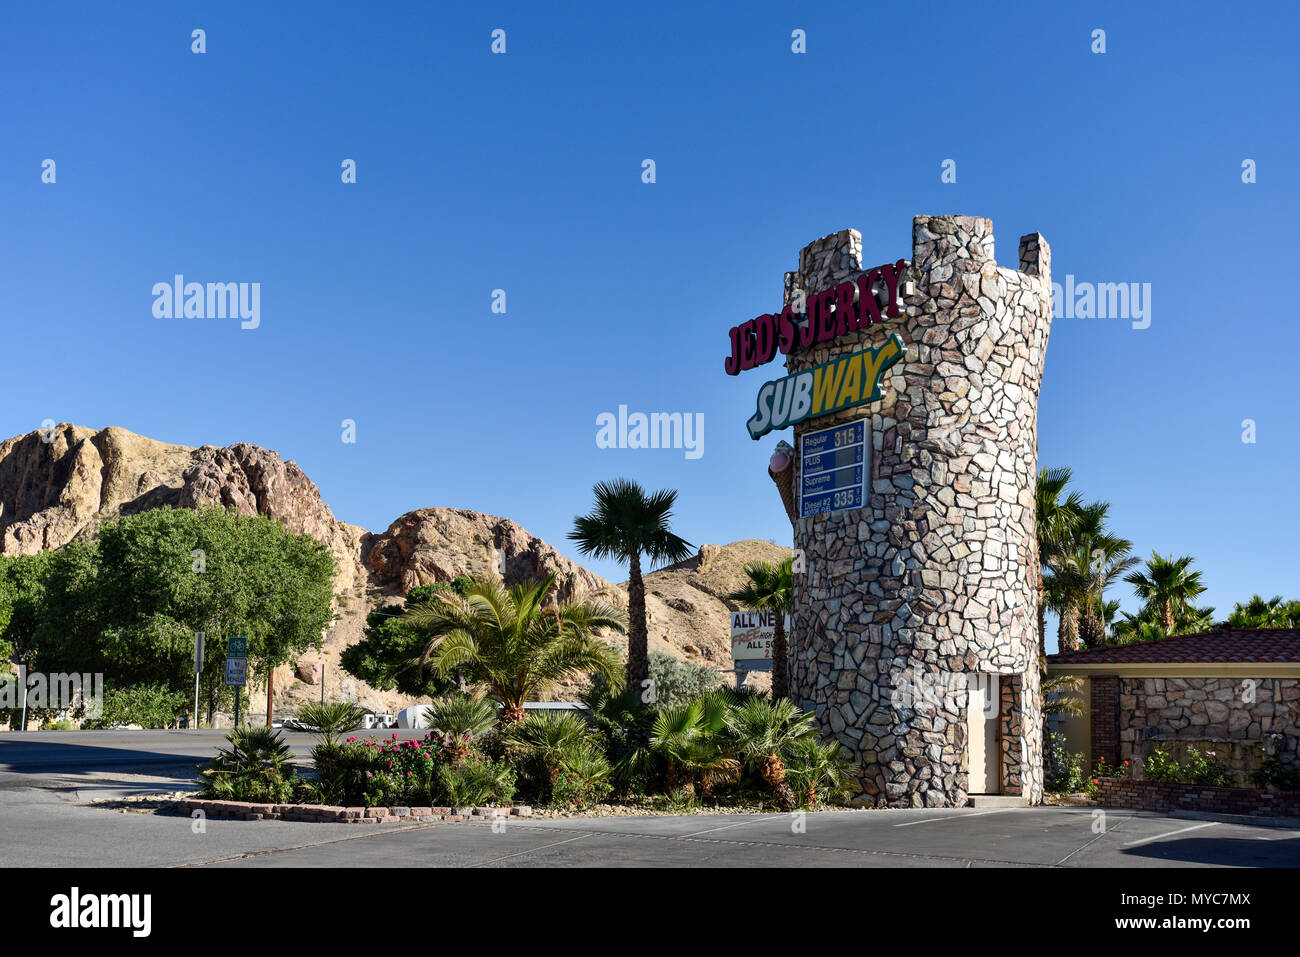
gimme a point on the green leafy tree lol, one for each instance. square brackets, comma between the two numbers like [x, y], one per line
[1168, 588]
[510, 641]
[389, 653]
[626, 524]
[771, 588]
[129, 604]
[22, 593]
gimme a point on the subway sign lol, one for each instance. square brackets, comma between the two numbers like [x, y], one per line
[832, 387]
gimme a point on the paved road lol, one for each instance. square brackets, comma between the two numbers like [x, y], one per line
[35, 752]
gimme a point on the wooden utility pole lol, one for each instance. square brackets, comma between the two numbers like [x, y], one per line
[270, 694]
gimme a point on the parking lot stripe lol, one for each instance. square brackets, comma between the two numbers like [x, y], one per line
[1181, 830]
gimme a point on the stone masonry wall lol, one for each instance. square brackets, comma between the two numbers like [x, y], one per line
[1211, 713]
[936, 575]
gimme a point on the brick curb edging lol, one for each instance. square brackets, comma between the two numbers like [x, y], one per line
[249, 811]
[1164, 796]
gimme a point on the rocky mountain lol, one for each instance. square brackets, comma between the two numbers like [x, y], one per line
[60, 484]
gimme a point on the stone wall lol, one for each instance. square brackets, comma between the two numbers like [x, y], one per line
[1241, 719]
[935, 576]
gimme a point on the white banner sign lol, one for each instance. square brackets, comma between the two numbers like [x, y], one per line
[751, 634]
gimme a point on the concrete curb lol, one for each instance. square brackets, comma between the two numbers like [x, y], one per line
[249, 811]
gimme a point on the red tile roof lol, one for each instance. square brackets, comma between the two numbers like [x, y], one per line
[1206, 647]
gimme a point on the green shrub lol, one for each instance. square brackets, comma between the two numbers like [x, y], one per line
[462, 715]
[1273, 772]
[541, 744]
[1204, 769]
[622, 725]
[817, 771]
[1161, 766]
[1066, 773]
[148, 705]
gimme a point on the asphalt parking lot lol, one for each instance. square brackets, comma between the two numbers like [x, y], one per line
[46, 786]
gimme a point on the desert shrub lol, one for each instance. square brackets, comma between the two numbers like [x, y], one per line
[541, 744]
[678, 682]
[255, 767]
[63, 724]
[148, 705]
[331, 718]
[817, 771]
[622, 725]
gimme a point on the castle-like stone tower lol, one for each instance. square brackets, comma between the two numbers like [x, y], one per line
[913, 608]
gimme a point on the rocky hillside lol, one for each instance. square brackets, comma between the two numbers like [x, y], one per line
[60, 484]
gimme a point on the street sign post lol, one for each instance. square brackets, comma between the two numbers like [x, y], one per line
[198, 669]
[237, 668]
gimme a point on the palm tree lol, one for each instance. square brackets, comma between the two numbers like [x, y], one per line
[771, 588]
[763, 731]
[1260, 612]
[626, 524]
[1053, 520]
[507, 640]
[1086, 560]
[1168, 587]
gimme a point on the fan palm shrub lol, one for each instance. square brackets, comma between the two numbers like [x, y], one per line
[626, 524]
[513, 644]
[255, 767]
[762, 732]
[331, 719]
[691, 738]
[817, 770]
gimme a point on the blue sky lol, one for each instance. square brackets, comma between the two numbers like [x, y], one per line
[523, 172]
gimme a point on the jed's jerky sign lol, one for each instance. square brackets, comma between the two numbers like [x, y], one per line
[839, 384]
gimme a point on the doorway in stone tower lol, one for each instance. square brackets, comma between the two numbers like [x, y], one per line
[982, 730]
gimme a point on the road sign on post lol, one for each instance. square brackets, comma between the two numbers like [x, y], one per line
[237, 668]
